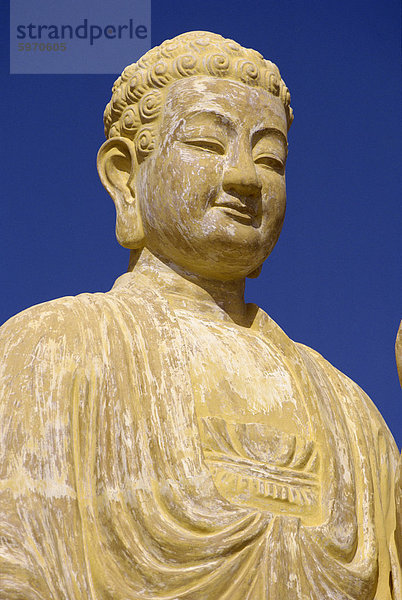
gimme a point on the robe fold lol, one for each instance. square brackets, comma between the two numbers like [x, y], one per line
[107, 491]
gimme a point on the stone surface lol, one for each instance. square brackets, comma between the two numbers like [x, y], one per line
[165, 439]
[398, 352]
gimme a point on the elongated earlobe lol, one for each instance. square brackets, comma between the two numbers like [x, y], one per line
[254, 274]
[118, 168]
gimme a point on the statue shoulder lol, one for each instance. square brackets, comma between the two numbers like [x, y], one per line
[65, 332]
[43, 350]
[62, 316]
[348, 391]
[332, 372]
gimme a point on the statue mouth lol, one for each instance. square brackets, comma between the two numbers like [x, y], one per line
[242, 212]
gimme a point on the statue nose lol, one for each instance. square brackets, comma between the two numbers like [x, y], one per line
[242, 180]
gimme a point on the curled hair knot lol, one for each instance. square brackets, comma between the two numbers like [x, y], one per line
[149, 106]
[130, 121]
[247, 71]
[217, 64]
[185, 65]
[144, 142]
[158, 75]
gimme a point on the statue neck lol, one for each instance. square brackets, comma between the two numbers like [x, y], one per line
[226, 296]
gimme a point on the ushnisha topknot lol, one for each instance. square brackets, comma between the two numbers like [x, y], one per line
[137, 96]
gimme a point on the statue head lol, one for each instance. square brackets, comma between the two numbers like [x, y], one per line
[195, 155]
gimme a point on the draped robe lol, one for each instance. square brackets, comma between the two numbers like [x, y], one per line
[110, 490]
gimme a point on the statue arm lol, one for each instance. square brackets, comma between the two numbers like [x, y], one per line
[361, 415]
[40, 524]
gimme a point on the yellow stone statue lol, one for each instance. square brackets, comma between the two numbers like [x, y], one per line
[165, 440]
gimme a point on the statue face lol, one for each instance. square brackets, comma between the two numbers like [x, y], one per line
[212, 194]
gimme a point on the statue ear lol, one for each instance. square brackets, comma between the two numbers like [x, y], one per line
[254, 274]
[118, 168]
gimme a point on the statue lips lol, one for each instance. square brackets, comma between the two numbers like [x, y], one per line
[245, 213]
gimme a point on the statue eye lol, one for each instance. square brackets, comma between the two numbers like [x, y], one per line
[270, 162]
[207, 144]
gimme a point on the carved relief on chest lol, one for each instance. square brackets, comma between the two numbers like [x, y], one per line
[259, 466]
[257, 438]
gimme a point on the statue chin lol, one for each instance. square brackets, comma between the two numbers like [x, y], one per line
[165, 439]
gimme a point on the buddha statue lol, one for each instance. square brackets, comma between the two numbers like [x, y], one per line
[165, 440]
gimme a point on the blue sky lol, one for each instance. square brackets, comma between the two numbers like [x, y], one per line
[334, 281]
